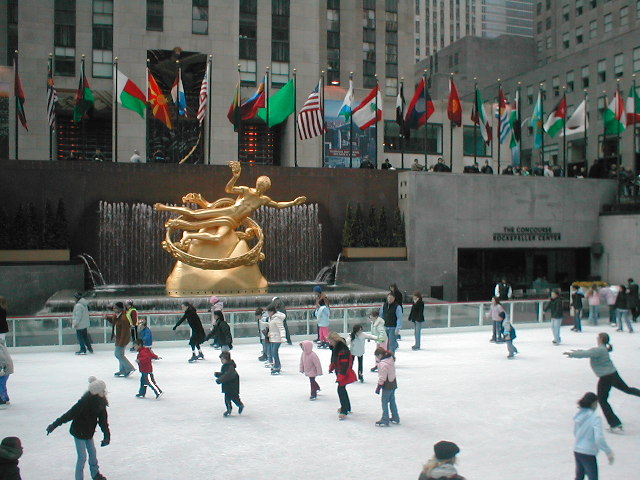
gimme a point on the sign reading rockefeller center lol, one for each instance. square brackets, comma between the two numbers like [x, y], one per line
[527, 234]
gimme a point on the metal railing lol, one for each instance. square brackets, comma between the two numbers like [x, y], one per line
[56, 330]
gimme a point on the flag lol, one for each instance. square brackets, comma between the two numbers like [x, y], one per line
[234, 109]
[514, 121]
[281, 105]
[400, 106]
[633, 107]
[310, 118]
[479, 118]
[555, 121]
[249, 109]
[52, 98]
[158, 102]
[18, 93]
[503, 113]
[578, 122]
[420, 108]
[178, 96]
[369, 111]
[614, 118]
[84, 97]
[454, 109]
[129, 95]
[345, 108]
[536, 123]
[204, 96]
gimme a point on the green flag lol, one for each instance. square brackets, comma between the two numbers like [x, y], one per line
[84, 97]
[281, 105]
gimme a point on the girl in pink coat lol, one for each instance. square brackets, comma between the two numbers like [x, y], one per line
[310, 366]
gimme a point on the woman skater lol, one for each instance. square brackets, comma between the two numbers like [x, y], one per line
[342, 363]
[89, 411]
[589, 438]
[197, 332]
[607, 375]
[416, 315]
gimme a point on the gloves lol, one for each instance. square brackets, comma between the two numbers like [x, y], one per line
[217, 374]
[174, 327]
[105, 442]
[378, 388]
[610, 458]
[51, 428]
[218, 381]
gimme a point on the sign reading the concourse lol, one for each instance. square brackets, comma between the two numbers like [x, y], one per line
[527, 234]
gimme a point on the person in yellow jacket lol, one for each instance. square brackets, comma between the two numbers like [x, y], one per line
[132, 315]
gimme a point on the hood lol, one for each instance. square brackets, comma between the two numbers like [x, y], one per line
[11, 449]
[583, 416]
[230, 363]
[446, 470]
[307, 346]
[84, 302]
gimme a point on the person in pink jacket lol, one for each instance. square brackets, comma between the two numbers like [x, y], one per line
[310, 366]
[593, 298]
[387, 384]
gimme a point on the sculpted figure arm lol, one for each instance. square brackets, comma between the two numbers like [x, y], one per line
[236, 168]
[274, 204]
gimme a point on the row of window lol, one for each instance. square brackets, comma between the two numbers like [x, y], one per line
[199, 16]
[579, 6]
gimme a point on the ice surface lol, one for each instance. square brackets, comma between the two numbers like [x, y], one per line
[511, 418]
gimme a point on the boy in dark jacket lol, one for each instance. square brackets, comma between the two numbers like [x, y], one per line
[10, 452]
[145, 355]
[576, 303]
[554, 306]
[230, 381]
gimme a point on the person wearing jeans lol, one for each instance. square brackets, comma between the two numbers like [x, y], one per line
[593, 297]
[623, 312]
[80, 321]
[277, 336]
[122, 336]
[416, 315]
[391, 312]
[589, 438]
[387, 385]
[555, 308]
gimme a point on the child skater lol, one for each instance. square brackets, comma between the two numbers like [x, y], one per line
[310, 366]
[342, 363]
[145, 355]
[262, 320]
[607, 375]
[589, 438]
[509, 335]
[6, 369]
[356, 340]
[378, 331]
[230, 381]
[323, 314]
[197, 332]
[89, 411]
[387, 384]
[144, 333]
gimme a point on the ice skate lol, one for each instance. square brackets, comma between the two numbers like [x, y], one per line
[342, 416]
[395, 421]
[361, 378]
[382, 423]
[617, 429]
[240, 409]
[275, 371]
[262, 358]
[159, 394]
[129, 372]
[226, 413]
[200, 356]
[313, 397]
[99, 476]
[81, 353]
[193, 358]
[139, 395]
[374, 369]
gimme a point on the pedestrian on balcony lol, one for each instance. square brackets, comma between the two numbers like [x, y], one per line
[80, 321]
[503, 290]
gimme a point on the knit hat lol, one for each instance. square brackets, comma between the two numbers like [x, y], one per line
[97, 387]
[77, 295]
[119, 305]
[12, 447]
[213, 300]
[317, 289]
[445, 450]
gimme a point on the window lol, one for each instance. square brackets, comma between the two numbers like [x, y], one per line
[473, 143]
[547, 23]
[391, 49]
[247, 29]
[333, 41]
[579, 35]
[602, 71]
[12, 29]
[102, 55]
[529, 95]
[593, 3]
[555, 85]
[602, 105]
[64, 37]
[539, 27]
[548, 2]
[637, 8]
[636, 60]
[368, 44]
[584, 75]
[608, 23]
[548, 39]
[415, 143]
[566, 43]
[539, 46]
[624, 16]
[279, 73]
[565, 12]
[155, 15]
[280, 30]
[618, 65]
[593, 29]
[200, 17]
[247, 72]
[391, 87]
[570, 81]
[538, 8]
[579, 7]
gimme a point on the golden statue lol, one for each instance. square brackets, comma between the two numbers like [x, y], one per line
[213, 254]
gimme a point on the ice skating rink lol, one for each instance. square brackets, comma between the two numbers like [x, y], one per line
[511, 418]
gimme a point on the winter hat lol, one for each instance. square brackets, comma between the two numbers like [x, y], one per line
[13, 445]
[77, 295]
[445, 450]
[97, 387]
[119, 305]
[317, 289]
[129, 302]
[213, 300]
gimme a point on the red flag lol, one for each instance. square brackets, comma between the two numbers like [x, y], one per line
[420, 108]
[158, 102]
[454, 109]
[20, 99]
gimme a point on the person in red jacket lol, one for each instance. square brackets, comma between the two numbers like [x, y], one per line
[342, 363]
[145, 356]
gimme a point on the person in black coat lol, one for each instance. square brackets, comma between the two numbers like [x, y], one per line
[89, 411]
[576, 303]
[633, 299]
[416, 315]
[10, 452]
[4, 326]
[221, 332]
[230, 380]
[197, 331]
[623, 309]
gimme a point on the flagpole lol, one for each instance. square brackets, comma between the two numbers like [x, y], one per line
[115, 109]
[498, 136]
[266, 101]
[542, 117]
[426, 116]
[518, 140]
[209, 82]
[238, 116]
[375, 124]
[402, 126]
[51, 126]
[295, 136]
[618, 114]
[350, 127]
[82, 120]
[149, 113]
[450, 127]
[15, 98]
[586, 114]
[564, 133]
[475, 125]
[323, 124]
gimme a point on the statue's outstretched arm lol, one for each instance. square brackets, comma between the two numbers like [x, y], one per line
[187, 212]
[297, 201]
[236, 168]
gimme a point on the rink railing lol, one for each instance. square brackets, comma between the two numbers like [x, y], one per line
[55, 329]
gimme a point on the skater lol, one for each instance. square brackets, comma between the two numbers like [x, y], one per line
[132, 316]
[10, 452]
[416, 315]
[121, 333]
[6, 369]
[442, 465]
[262, 320]
[391, 312]
[279, 306]
[197, 332]
[323, 314]
[80, 321]
[399, 299]
[89, 411]
[378, 331]
[593, 299]
[277, 336]
[589, 438]
[497, 315]
[623, 309]
[509, 337]
[554, 306]
[387, 384]
[341, 363]
[217, 305]
[144, 334]
[145, 366]
[607, 375]
[4, 326]
[633, 299]
[310, 366]
[356, 345]
[221, 332]
[320, 295]
[576, 302]
[230, 381]
[610, 295]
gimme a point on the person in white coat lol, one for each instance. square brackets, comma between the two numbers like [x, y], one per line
[6, 369]
[589, 438]
[80, 321]
[357, 338]
[277, 336]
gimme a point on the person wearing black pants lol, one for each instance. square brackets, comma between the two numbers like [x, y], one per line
[341, 363]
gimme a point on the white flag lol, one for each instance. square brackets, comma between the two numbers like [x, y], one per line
[578, 122]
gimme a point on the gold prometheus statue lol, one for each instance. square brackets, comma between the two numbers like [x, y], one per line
[212, 238]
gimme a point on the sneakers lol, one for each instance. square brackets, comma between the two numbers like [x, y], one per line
[81, 353]
[193, 358]
[141, 395]
[382, 423]
[200, 356]
[240, 409]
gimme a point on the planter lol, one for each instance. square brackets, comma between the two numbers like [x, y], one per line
[375, 253]
[16, 256]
